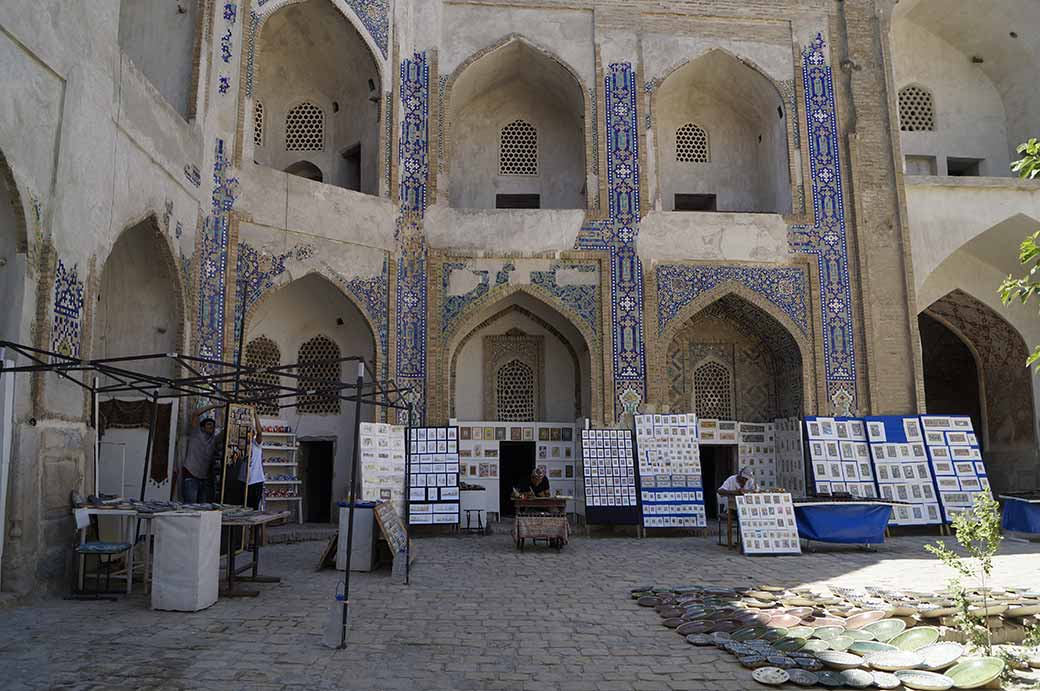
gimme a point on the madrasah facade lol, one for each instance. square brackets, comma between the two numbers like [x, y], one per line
[524, 210]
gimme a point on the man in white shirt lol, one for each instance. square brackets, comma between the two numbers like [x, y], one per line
[252, 472]
[734, 485]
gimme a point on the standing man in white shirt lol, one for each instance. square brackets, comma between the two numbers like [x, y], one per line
[252, 472]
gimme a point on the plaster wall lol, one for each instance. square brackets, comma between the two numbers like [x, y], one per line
[668, 235]
[160, 38]
[970, 121]
[502, 230]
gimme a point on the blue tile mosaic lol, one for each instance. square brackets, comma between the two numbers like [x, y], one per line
[679, 284]
[413, 151]
[373, 294]
[67, 327]
[255, 273]
[827, 238]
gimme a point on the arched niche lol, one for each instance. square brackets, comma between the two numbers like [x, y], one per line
[309, 53]
[515, 82]
[12, 256]
[744, 165]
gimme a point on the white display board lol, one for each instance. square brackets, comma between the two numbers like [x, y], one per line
[671, 486]
[840, 457]
[609, 472]
[434, 483]
[767, 524]
[790, 461]
[903, 471]
[956, 459]
[383, 464]
[757, 451]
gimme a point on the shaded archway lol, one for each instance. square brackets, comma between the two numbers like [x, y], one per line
[515, 131]
[1001, 398]
[320, 86]
[309, 318]
[12, 256]
[721, 138]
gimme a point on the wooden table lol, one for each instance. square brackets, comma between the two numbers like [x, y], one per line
[541, 518]
[252, 524]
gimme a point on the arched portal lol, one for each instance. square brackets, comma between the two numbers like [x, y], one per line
[722, 138]
[311, 320]
[321, 93]
[997, 392]
[516, 132]
[12, 257]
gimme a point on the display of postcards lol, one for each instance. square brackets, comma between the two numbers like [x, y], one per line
[955, 452]
[767, 523]
[435, 474]
[608, 467]
[528, 433]
[382, 461]
[876, 431]
[956, 438]
[670, 469]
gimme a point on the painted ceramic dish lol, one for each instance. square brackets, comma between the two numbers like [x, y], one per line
[810, 664]
[837, 660]
[886, 680]
[694, 627]
[773, 676]
[800, 632]
[800, 612]
[840, 642]
[818, 622]
[925, 681]
[857, 678]
[832, 679]
[781, 661]
[673, 623]
[748, 633]
[859, 635]
[974, 672]
[753, 661]
[915, 638]
[1024, 609]
[801, 677]
[885, 629]
[828, 632]
[868, 647]
[939, 656]
[774, 634]
[784, 620]
[648, 601]
[699, 639]
[858, 621]
[753, 618]
[990, 610]
[816, 645]
[789, 645]
[892, 660]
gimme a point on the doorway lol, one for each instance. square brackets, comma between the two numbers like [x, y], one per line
[515, 462]
[316, 461]
[350, 168]
[716, 466]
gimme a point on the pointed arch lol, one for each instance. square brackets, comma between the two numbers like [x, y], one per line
[14, 248]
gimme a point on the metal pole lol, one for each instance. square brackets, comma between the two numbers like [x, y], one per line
[351, 504]
[407, 495]
[148, 445]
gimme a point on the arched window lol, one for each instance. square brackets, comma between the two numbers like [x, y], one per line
[258, 123]
[712, 391]
[316, 369]
[518, 149]
[514, 392]
[263, 352]
[691, 144]
[305, 169]
[916, 110]
[305, 128]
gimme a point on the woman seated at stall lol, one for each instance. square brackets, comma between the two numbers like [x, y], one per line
[538, 484]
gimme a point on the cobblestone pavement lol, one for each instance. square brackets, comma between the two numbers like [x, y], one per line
[478, 615]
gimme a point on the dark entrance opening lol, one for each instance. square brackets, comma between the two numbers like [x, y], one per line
[695, 202]
[716, 466]
[315, 472]
[951, 376]
[515, 462]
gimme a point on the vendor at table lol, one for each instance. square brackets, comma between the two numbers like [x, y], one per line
[733, 486]
[538, 484]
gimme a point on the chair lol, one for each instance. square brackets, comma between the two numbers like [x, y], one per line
[101, 550]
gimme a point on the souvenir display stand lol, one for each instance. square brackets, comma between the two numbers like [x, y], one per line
[790, 459]
[1021, 512]
[433, 487]
[767, 523]
[839, 457]
[757, 451]
[671, 490]
[281, 478]
[956, 461]
[609, 485]
[383, 464]
[902, 468]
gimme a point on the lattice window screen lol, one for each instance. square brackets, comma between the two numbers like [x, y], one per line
[263, 352]
[916, 110]
[305, 128]
[691, 144]
[316, 370]
[518, 149]
[713, 391]
[258, 123]
[514, 392]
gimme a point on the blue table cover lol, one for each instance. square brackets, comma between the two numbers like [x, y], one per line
[850, 524]
[1021, 516]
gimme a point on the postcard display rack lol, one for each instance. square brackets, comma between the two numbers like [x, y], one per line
[903, 471]
[433, 488]
[671, 488]
[609, 484]
[767, 524]
[757, 451]
[956, 461]
[281, 482]
[790, 461]
[711, 431]
[840, 456]
[480, 453]
[383, 464]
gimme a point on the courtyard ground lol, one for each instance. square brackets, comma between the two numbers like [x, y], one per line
[477, 615]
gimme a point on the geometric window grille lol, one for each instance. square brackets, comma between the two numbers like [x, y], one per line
[258, 124]
[518, 149]
[514, 392]
[316, 368]
[305, 128]
[916, 110]
[263, 352]
[691, 144]
[711, 391]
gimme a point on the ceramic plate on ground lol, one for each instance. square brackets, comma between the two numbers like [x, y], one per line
[774, 676]
[936, 610]
[753, 661]
[915, 638]
[991, 610]
[772, 634]
[828, 632]
[857, 678]
[859, 635]
[858, 621]
[816, 645]
[809, 664]
[885, 629]
[832, 679]
[1023, 610]
[892, 660]
[753, 618]
[841, 643]
[784, 620]
[694, 627]
[771, 588]
[902, 610]
[973, 672]
[802, 677]
[800, 602]
[720, 636]
[868, 647]
[925, 681]
[800, 632]
[748, 633]
[886, 680]
[800, 612]
[781, 661]
[699, 639]
[836, 660]
[826, 621]
[673, 623]
[939, 656]
[648, 601]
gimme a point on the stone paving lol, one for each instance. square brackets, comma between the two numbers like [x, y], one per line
[477, 615]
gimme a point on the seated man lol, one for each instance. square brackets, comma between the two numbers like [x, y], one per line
[538, 484]
[734, 485]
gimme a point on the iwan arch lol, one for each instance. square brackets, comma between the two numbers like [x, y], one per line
[615, 204]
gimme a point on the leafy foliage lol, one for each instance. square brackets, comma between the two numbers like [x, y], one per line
[1023, 288]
